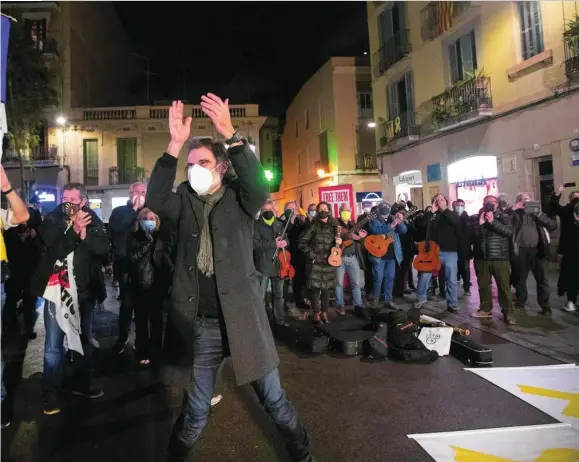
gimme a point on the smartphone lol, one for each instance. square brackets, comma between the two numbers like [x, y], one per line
[532, 207]
[570, 185]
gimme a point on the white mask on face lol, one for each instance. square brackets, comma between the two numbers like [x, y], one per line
[201, 179]
[139, 201]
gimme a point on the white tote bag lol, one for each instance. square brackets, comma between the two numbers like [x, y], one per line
[436, 339]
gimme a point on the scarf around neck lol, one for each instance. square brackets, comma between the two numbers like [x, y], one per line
[205, 254]
[269, 222]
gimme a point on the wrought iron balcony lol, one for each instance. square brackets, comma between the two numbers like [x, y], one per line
[366, 162]
[91, 176]
[39, 154]
[438, 17]
[402, 126]
[396, 48]
[571, 41]
[465, 101]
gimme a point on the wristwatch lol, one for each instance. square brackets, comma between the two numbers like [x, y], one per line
[236, 138]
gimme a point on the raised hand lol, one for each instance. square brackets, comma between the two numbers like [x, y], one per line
[218, 111]
[179, 129]
[4, 183]
[80, 221]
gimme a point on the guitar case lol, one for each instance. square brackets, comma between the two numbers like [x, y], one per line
[304, 336]
[463, 348]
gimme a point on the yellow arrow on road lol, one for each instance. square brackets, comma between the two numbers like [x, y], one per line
[549, 455]
[571, 410]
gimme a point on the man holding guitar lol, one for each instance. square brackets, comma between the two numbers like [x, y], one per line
[384, 268]
[352, 260]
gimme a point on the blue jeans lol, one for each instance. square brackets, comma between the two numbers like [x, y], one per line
[209, 354]
[277, 299]
[450, 267]
[54, 350]
[351, 266]
[384, 272]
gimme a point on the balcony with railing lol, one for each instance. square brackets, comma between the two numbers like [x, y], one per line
[438, 17]
[571, 44]
[91, 176]
[465, 101]
[398, 128]
[154, 113]
[40, 155]
[366, 162]
[395, 48]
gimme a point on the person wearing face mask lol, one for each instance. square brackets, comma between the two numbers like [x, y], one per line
[530, 244]
[298, 224]
[316, 243]
[267, 233]
[568, 246]
[69, 278]
[352, 263]
[217, 306]
[144, 295]
[366, 277]
[384, 269]
[503, 204]
[492, 231]
[121, 224]
[444, 225]
[311, 212]
[465, 245]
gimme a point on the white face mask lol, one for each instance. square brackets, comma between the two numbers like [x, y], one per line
[201, 179]
[459, 209]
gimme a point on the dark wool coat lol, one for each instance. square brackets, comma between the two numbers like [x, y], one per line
[264, 246]
[316, 243]
[251, 344]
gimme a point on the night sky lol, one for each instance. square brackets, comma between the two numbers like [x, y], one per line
[259, 52]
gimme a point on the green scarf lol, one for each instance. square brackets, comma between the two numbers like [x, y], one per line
[270, 221]
[205, 254]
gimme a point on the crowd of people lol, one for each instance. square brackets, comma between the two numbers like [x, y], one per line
[216, 245]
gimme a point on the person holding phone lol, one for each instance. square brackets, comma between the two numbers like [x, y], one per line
[530, 244]
[568, 244]
[70, 280]
[445, 231]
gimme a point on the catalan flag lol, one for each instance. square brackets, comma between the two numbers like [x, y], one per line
[444, 12]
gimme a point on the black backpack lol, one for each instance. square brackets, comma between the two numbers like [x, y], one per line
[403, 342]
[378, 346]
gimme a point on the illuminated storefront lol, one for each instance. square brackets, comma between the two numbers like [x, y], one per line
[409, 187]
[472, 179]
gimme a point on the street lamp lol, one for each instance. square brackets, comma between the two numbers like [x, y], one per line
[371, 124]
[321, 173]
[60, 120]
[269, 175]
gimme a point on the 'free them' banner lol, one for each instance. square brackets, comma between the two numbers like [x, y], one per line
[336, 196]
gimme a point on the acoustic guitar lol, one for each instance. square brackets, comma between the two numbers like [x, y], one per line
[428, 258]
[377, 245]
[345, 233]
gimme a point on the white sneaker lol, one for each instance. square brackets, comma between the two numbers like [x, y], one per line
[216, 399]
[94, 342]
[570, 307]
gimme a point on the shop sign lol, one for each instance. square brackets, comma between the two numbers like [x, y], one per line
[369, 196]
[433, 173]
[408, 178]
[336, 196]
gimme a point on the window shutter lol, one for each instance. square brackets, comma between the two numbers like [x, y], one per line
[392, 101]
[453, 58]
[409, 96]
[467, 53]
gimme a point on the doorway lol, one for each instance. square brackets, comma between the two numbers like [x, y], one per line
[546, 180]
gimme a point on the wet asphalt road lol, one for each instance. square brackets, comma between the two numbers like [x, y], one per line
[355, 410]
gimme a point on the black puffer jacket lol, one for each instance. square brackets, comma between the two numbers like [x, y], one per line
[316, 243]
[492, 241]
[142, 271]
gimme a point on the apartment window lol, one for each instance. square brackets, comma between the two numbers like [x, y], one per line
[365, 100]
[391, 22]
[36, 29]
[297, 133]
[90, 162]
[531, 29]
[126, 159]
[299, 163]
[462, 56]
[307, 119]
[401, 97]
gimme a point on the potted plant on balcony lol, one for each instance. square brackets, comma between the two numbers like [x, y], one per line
[114, 175]
[571, 35]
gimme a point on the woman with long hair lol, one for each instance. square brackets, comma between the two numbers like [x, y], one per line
[316, 243]
[144, 285]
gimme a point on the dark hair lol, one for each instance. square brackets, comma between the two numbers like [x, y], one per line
[459, 200]
[78, 187]
[218, 150]
[327, 205]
